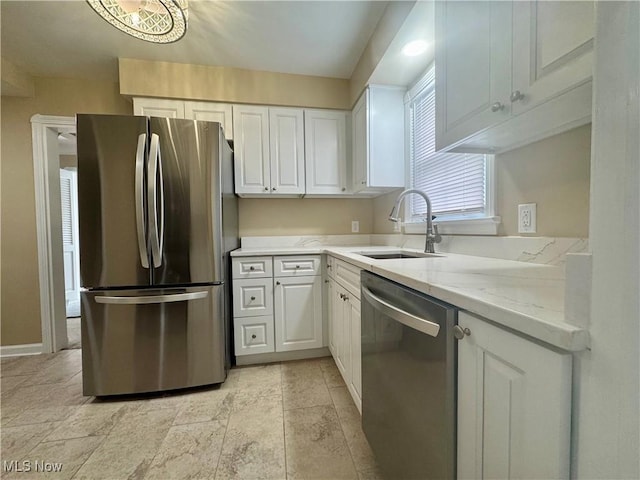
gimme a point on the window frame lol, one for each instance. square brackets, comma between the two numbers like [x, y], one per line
[475, 224]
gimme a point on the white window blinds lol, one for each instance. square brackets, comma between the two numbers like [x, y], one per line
[455, 182]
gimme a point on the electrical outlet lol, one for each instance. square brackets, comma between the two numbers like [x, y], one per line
[527, 218]
[355, 226]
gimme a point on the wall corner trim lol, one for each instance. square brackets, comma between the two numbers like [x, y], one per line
[19, 350]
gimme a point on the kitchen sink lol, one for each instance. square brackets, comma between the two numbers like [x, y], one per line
[396, 255]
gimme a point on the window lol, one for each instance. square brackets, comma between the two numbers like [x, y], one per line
[460, 185]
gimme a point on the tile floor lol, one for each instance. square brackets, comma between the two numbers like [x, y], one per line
[288, 420]
[73, 332]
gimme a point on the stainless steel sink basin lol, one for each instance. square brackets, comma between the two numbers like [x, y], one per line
[396, 255]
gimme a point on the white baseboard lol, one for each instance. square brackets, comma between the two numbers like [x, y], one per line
[18, 350]
[282, 356]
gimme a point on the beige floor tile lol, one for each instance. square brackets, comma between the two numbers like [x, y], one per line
[207, 406]
[42, 415]
[253, 447]
[332, 376]
[25, 365]
[70, 454]
[316, 447]
[128, 450]
[257, 381]
[371, 474]
[18, 441]
[92, 419]
[305, 392]
[302, 370]
[9, 383]
[351, 423]
[341, 397]
[41, 396]
[188, 452]
[57, 371]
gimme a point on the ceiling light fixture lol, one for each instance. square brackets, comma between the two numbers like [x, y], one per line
[157, 21]
[415, 48]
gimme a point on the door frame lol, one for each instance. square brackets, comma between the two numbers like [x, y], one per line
[46, 177]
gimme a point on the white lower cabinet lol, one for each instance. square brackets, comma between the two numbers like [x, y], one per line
[298, 313]
[281, 313]
[344, 326]
[514, 405]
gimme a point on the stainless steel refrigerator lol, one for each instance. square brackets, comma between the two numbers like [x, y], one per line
[158, 218]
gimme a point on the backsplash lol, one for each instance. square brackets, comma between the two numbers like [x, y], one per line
[541, 250]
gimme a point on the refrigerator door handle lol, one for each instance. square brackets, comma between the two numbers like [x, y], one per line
[175, 297]
[156, 224]
[140, 223]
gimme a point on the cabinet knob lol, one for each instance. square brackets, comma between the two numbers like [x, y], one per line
[363, 182]
[345, 298]
[343, 189]
[277, 283]
[253, 336]
[266, 189]
[252, 268]
[253, 298]
[342, 296]
[274, 189]
[515, 96]
[496, 107]
[297, 266]
[460, 332]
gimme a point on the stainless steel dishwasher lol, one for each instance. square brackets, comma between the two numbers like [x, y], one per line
[408, 380]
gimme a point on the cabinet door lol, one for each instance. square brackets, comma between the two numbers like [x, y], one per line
[514, 405]
[331, 293]
[211, 112]
[355, 380]
[550, 56]
[158, 107]
[338, 331]
[473, 73]
[360, 144]
[251, 149]
[298, 313]
[325, 152]
[286, 145]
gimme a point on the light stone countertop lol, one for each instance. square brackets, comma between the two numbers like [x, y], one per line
[525, 297]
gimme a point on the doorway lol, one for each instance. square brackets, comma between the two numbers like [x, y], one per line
[53, 144]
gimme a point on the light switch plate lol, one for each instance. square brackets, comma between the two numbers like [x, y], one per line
[355, 226]
[527, 218]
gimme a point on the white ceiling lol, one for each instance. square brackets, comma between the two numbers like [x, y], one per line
[68, 39]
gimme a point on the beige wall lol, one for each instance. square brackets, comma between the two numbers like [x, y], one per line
[307, 216]
[67, 161]
[553, 173]
[226, 84]
[20, 306]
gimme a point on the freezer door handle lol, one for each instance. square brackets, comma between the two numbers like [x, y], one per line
[156, 217]
[174, 297]
[140, 223]
[417, 323]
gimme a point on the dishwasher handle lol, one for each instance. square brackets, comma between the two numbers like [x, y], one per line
[417, 323]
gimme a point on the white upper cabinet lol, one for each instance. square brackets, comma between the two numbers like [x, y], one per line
[473, 68]
[158, 107]
[511, 73]
[251, 149]
[553, 49]
[378, 140]
[325, 152]
[211, 112]
[269, 150]
[286, 146]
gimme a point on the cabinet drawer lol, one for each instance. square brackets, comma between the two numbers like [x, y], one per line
[252, 297]
[348, 276]
[252, 267]
[253, 335]
[297, 266]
